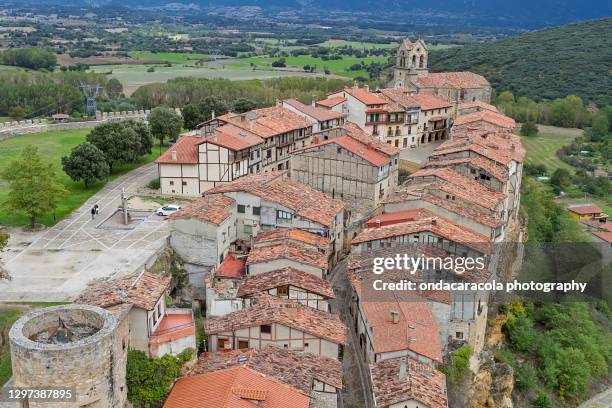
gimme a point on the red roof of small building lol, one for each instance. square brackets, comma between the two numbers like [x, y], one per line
[365, 96]
[281, 277]
[233, 138]
[236, 387]
[318, 114]
[354, 146]
[287, 250]
[267, 122]
[231, 267]
[604, 235]
[486, 116]
[331, 102]
[214, 208]
[429, 102]
[585, 209]
[186, 151]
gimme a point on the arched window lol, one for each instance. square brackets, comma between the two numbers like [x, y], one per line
[421, 60]
[414, 60]
[402, 61]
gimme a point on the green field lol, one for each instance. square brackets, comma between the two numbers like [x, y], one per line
[336, 67]
[52, 146]
[174, 57]
[356, 44]
[542, 149]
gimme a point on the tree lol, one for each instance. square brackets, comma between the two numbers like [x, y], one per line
[191, 116]
[119, 142]
[210, 105]
[87, 163]
[279, 63]
[529, 129]
[600, 126]
[164, 123]
[144, 134]
[561, 180]
[242, 105]
[4, 237]
[114, 88]
[17, 113]
[34, 188]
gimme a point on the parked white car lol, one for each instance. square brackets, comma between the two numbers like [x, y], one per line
[167, 209]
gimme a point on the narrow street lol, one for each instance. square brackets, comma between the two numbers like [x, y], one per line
[356, 372]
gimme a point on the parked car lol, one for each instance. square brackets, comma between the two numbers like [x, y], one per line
[167, 209]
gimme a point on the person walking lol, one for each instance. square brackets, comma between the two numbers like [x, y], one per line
[93, 212]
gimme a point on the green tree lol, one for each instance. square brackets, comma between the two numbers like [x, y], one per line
[17, 113]
[574, 373]
[210, 105]
[118, 141]
[191, 116]
[600, 127]
[144, 135]
[521, 333]
[114, 88]
[34, 188]
[561, 180]
[86, 162]
[529, 129]
[542, 401]
[242, 105]
[164, 123]
[4, 237]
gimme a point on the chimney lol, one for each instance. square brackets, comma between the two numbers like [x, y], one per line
[485, 151]
[434, 221]
[378, 223]
[403, 370]
[174, 155]
[243, 117]
[366, 87]
[354, 87]
[313, 103]
[212, 114]
[394, 316]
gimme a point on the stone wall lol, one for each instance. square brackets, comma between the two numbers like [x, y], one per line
[94, 366]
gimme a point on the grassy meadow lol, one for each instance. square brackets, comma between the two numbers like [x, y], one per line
[52, 146]
[542, 149]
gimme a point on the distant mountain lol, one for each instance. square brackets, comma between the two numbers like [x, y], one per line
[546, 64]
[536, 13]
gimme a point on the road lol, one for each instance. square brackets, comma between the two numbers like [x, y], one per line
[356, 392]
[602, 400]
[59, 263]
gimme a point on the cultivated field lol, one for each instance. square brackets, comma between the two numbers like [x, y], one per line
[53, 146]
[542, 148]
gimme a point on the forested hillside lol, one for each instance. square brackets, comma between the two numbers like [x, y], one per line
[571, 60]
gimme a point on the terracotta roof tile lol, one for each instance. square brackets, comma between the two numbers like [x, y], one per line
[364, 96]
[236, 387]
[585, 209]
[485, 116]
[276, 187]
[290, 367]
[431, 222]
[604, 235]
[457, 80]
[214, 208]
[500, 145]
[269, 309]
[354, 146]
[331, 102]
[231, 267]
[142, 290]
[480, 105]
[479, 162]
[422, 383]
[186, 149]
[318, 114]
[400, 96]
[267, 122]
[357, 133]
[287, 250]
[233, 138]
[293, 234]
[286, 276]
[428, 102]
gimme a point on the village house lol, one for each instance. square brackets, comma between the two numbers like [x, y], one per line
[317, 377]
[321, 118]
[434, 118]
[407, 383]
[350, 164]
[272, 200]
[288, 283]
[456, 87]
[280, 322]
[141, 298]
[494, 120]
[584, 212]
[268, 258]
[475, 106]
[306, 239]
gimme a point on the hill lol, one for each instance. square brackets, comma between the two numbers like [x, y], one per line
[546, 64]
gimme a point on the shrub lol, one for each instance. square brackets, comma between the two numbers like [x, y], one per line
[526, 376]
[154, 184]
[529, 129]
[542, 401]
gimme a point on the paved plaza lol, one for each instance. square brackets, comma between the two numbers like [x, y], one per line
[57, 264]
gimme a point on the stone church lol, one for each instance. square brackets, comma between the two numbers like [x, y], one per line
[411, 71]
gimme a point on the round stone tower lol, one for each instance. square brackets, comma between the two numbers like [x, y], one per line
[76, 346]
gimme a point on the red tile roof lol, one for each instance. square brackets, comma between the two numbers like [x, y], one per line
[480, 105]
[287, 250]
[485, 116]
[231, 267]
[278, 235]
[276, 187]
[142, 290]
[331, 102]
[364, 96]
[267, 122]
[456, 80]
[428, 102]
[394, 218]
[501, 145]
[214, 208]
[353, 130]
[281, 277]
[186, 151]
[479, 162]
[429, 221]
[400, 96]
[269, 309]
[318, 114]
[233, 138]
[422, 383]
[585, 209]
[288, 366]
[236, 387]
[354, 146]
[604, 235]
